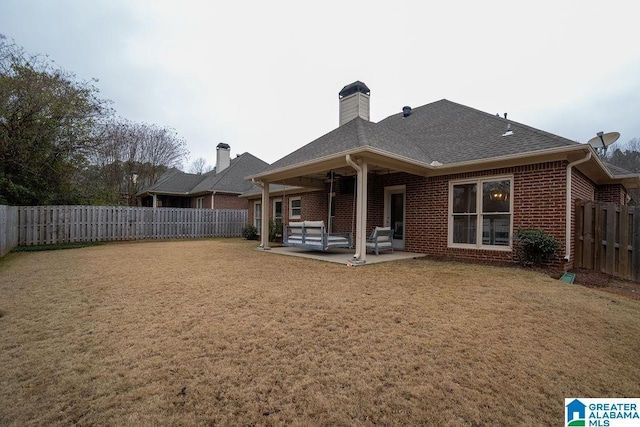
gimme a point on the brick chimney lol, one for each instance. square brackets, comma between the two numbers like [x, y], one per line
[223, 157]
[354, 102]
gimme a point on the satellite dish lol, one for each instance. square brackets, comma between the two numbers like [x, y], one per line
[603, 140]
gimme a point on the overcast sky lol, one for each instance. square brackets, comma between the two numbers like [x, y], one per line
[264, 76]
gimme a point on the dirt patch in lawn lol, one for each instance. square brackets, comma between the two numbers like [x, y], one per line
[605, 282]
[214, 332]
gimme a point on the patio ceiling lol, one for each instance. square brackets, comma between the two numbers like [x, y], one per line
[314, 174]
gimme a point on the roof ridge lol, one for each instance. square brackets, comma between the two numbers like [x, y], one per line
[558, 138]
[361, 133]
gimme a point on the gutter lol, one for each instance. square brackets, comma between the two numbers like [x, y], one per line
[441, 168]
[567, 237]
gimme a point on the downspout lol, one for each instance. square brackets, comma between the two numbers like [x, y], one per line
[358, 169]
[567, 237]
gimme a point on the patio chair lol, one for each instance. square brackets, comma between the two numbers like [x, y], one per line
[381, 239]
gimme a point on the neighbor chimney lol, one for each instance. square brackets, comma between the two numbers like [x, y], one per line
[223, 157]
[354, 102]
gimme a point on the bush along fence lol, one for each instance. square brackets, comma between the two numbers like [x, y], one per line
[607, 239]
[37, 225]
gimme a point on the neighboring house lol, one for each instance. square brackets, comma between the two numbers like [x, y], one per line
[218, 189]
[450, 180]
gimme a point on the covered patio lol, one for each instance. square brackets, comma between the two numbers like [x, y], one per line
[344, 256]
[359, 162]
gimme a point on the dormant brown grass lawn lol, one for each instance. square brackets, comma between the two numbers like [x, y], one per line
[213, 332]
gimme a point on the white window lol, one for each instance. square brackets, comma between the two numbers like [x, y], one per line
[295, 208]
[480, 213]
[200, 203]
[257, 216]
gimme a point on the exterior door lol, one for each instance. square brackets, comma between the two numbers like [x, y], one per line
[394, 213]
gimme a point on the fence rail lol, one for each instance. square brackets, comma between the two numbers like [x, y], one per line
[607, 239]
[36, 225]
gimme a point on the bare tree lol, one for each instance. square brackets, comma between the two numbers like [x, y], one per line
[199, 166]
[133, 156]
[629, 159]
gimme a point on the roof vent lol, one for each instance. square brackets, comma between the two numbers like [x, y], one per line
[406, 111]
[508, 132]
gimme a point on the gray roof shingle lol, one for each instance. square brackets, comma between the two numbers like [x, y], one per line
[229, 180]
[232, 179]
[442, 131]
[452, 133]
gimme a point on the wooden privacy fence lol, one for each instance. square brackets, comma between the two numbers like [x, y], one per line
[8, 229]
[607, 238]
[38, 225]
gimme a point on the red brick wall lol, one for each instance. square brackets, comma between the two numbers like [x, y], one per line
[227, 201]
[313, 206]
[193, 202]
[581, 186]
[538, 202]
[613, 193]
[584, 189]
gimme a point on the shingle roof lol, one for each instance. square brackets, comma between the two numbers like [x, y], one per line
[232, 179]
[229, 180]
[442, 131]
[175, 181]
[451, 133]
[617, 170]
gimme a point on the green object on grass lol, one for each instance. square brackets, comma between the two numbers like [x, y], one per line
[568, 278]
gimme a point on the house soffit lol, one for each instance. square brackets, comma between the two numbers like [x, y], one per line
[313, 174]
[380, 162]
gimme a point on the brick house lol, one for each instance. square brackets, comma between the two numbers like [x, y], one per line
[450, 180]
[217, 189]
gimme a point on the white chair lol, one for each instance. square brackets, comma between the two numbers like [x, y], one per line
[381, 239]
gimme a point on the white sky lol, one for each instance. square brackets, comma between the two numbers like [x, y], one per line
[264, 76]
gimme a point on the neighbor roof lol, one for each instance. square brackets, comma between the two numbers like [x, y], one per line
[229, 180]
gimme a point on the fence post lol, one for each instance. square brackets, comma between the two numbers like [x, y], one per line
[623, 251]
[635, 254]
[578, 237]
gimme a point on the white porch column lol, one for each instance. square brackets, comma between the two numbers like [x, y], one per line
[264, 230]
[361, 208]
[361, 211]
[155, 200]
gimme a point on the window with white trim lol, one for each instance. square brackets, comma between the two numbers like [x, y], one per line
[257, 216]
[295, 208]
[200, 203]
[480, 213]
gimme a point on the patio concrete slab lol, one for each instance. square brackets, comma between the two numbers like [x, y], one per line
[344, 256]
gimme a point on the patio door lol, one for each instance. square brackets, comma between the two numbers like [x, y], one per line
[394, 213]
